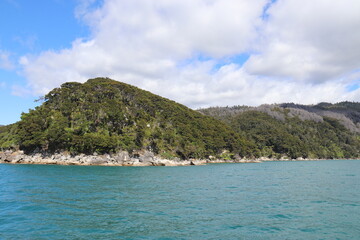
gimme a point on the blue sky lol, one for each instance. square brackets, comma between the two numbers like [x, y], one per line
[30, 27]
[200, 53]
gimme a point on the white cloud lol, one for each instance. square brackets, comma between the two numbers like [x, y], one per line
[232, 85]
[304, 53]
[20, 91]
[5, 62]
[137, 40]
[309, 40]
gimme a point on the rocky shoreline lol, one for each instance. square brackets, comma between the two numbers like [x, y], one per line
[144, 158]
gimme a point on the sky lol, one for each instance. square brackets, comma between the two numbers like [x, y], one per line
[200, 53]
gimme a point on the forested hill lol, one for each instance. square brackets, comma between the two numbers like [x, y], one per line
[104, 116]
[350, 110]
[310, 131]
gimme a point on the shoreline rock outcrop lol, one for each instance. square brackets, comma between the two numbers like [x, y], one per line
[144, 158]
[123, 158]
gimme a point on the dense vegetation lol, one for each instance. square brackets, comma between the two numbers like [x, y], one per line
[296, 130]
[350, 110]
[105, 116]
[8, 137]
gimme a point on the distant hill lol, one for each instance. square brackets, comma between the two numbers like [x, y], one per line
[103, 116]
[340, 111]
[310, 131]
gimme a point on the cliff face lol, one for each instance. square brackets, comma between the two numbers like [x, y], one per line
[106, 116]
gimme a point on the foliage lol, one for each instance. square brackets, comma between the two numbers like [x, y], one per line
[293, 132]
[103, 115]
[7, 137]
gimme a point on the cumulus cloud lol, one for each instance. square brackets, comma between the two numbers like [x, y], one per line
[177, 49]
[309, 40]
[20, 91]
[232, 85]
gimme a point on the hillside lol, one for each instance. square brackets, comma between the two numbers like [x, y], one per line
[317, 131]
[8, 136]
[105, 116]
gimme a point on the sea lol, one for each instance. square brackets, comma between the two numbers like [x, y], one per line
[269, 200]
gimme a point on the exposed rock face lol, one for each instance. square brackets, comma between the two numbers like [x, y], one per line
[121, 157]
[144, 158]
[97, 161]
[12, 157]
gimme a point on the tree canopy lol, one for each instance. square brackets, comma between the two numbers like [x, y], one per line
[103, 115]
[107, 116]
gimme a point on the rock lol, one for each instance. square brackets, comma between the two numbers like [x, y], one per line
[51, 161]
[158, 163]
[237, 157]
[142, 164]
[121, 157]
[13, 157]
[131, 162]
[146, 157]
[18, 158]
[197, 162]
[99, 160]
[2, 156]
[143, 158]
[127, 163]
[171, 163]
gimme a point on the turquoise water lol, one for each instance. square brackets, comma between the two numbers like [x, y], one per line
[274, 200]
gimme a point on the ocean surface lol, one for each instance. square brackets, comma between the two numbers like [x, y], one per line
[272, 200]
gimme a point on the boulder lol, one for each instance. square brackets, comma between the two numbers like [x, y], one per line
[18, 158]
[197, 162]
[13, 157]
[2, 156]
[120, 157]
[146, 157]
[131, 162]
[99, 160]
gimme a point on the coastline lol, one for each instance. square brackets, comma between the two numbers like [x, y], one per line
[144, 158]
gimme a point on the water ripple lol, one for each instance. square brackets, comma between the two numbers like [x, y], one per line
[278, 200]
